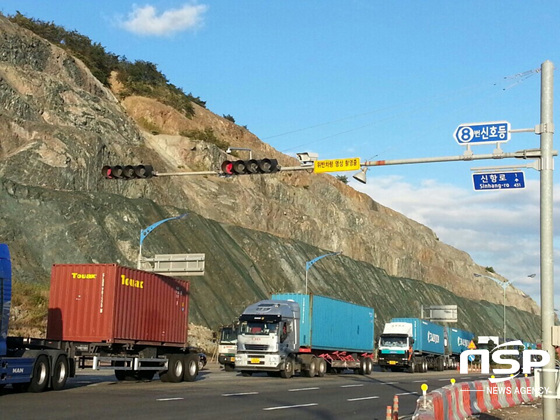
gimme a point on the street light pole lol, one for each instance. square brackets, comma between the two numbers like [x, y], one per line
[504, 286]
[145, 232]
[308, 264]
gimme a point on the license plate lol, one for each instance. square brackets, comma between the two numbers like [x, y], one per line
[255, 361]
[392, 362]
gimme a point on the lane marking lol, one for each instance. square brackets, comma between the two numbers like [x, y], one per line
[350, 386]
[363, 398]
[303, 389]
[418, 381]
[282, 407]
[239, 394]
[408, 393]
[169, 399]
[388, 383]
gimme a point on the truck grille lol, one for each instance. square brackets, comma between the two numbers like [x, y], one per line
[257, 347]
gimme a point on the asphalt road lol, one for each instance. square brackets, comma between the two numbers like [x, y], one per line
[219, 394]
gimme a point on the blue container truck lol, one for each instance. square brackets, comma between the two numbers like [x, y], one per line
[309, 334]
[412, 344]
[457, 341]
[29, 364]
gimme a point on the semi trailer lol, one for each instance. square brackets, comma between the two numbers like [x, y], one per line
[104, 316]
[456, 342]
[309, 334]
[411, 344]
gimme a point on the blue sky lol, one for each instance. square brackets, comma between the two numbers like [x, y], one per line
[363, 78]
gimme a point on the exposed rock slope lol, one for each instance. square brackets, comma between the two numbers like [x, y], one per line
[59, 126]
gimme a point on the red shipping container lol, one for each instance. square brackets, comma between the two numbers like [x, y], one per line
[98, 303]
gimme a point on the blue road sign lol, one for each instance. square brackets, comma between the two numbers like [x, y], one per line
[483, 133]
[498, 180]
[471, 357]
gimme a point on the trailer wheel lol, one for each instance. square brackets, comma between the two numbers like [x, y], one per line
[321, 367]
[424, 364]
[440, 364]
[191, 367]
[175, 369]
[60, 373]
[369, 366]
[312, 371]
[363, 366]
[288, 368]
[40, 378]
[228, 367]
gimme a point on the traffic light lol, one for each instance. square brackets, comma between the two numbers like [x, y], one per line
[127, 172]
[252, 166]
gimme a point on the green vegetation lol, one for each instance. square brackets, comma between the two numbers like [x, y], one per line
[149, 126]
[30, 302]
[490, 269]
[138, 78]
[229, 117]
[206, 135]
[342, 178]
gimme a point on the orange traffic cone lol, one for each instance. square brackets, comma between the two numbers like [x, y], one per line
[396, 407]
[388, 415]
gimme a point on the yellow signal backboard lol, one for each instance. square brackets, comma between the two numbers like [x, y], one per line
[336, 165]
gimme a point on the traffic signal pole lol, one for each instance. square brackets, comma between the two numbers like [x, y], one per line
[547, 266]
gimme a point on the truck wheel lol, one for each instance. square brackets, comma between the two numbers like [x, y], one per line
[321, 367]
[40, 377]
[424, 364]
[228, 367]
[363, 366]
[440, 364]
[288, 369]
[312, 371]
[175, 369]
[60, 373]
[412, 366]
[246, 373]
[191, 367]
[369, 366]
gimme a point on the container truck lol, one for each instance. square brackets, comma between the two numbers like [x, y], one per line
[456, 342]
[411, 344]
[227, 346]
[131, 321]
[303, 333]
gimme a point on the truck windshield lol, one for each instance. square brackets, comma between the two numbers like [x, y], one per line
[258, 328]
[393, 342]
[229, 335]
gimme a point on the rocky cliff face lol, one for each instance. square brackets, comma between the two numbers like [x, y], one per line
[59, 126]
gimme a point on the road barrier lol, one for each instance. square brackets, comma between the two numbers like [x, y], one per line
[389, 413]
[461, 400]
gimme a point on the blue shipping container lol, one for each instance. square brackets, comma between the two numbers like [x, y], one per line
[330, 324]
[458, 340]
[428, 337]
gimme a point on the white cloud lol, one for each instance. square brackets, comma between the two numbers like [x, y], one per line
[145, 20]
[499, 229]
